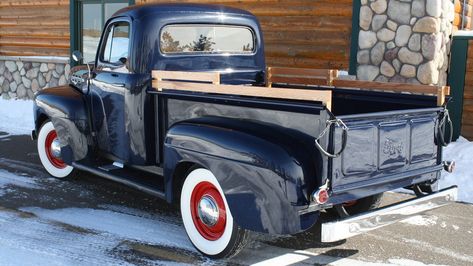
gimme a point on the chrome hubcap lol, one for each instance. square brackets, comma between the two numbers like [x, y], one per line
[56, 148]
[208, 211]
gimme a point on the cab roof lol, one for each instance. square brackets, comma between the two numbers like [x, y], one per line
[139, 11]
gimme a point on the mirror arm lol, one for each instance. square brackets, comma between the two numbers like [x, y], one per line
[89, 77]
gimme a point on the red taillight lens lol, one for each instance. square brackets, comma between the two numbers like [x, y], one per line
[321, 196]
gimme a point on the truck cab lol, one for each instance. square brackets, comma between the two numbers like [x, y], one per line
[178, 105]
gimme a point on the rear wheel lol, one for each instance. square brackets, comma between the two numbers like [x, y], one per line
[207, 217]
[49, 151]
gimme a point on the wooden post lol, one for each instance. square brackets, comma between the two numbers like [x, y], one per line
[269, 76]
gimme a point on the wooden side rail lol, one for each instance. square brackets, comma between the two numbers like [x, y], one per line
[440, 91]
[210, 77]
[329, 77]
[300, 76]
[194, 82]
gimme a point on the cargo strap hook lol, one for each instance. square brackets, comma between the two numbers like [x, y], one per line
[338, 123]
[443, 121]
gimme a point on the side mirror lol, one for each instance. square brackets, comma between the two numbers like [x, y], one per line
[77, 56]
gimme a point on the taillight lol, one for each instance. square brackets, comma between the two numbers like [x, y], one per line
[321, 196]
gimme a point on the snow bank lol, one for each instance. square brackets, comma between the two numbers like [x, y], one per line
[16, 116]
[461, 152]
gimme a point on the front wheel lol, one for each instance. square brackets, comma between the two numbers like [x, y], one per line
[207, 217]
[49, 151]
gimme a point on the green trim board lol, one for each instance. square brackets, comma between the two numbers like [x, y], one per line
[355, 31]
[456, 80]
[75, 20]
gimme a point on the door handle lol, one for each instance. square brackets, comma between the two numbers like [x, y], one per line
[114, 75]
[121, 85]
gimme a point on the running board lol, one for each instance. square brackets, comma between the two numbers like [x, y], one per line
[365, 222]
[120, 179]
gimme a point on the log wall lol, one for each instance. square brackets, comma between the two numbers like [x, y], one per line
[299, 33]
[34, 28]
[467, 117]
[461, 9]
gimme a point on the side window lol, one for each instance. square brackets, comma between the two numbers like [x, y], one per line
[117, 44]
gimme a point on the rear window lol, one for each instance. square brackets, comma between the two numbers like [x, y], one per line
[198, 39]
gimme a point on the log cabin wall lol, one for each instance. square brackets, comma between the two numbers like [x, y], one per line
[299, 33]
[34, 46]
[34, 28]
[463, 15]
[467, 117]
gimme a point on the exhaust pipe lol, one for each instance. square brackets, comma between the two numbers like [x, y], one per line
[449, 166]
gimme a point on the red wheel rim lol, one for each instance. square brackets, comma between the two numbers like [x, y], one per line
[56, 162]
[208, 232]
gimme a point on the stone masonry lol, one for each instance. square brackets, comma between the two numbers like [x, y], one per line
[20, 78]
[405, 40]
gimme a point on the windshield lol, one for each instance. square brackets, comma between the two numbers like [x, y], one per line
[198, 39]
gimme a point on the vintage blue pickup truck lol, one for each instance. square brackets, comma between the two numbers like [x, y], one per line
[179, 104]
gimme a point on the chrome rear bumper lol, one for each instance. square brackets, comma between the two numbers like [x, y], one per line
[355, 225]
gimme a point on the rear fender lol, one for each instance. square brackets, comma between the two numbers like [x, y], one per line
[266, 171]
[65, 107]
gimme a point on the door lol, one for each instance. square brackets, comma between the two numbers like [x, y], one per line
[109, 88]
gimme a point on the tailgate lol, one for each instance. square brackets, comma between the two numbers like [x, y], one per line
[386, 146]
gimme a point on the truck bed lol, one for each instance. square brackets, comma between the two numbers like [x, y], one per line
[391, 138]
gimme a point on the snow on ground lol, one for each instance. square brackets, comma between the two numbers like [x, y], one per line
[422, 220]
[17, 116]
[8, 179]
[123, 225]
[461, 152]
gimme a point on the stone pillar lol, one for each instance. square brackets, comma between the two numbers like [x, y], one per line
[405, 40]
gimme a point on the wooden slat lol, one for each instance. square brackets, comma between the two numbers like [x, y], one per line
[440, 91]
[300, 76]
[297, 81]
[290, 71]
[212, 77]
[34, 42]
[162, 82]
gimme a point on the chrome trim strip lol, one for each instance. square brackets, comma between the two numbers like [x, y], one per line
[355, 225]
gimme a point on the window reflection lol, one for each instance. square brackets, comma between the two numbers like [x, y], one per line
[117, 43]
[206, 39]
[91, 29]
[92, 24]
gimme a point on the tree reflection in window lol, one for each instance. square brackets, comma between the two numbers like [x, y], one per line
[204, 44]
[169, 45]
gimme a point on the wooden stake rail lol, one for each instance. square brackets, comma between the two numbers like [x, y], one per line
[209, 82]
[194, 82]
[298, 76]
[329, 77]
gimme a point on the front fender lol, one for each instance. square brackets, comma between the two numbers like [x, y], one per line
[266, 171]
[65, 107]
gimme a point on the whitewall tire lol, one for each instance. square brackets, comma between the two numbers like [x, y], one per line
[48, 154]
[207, 217]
